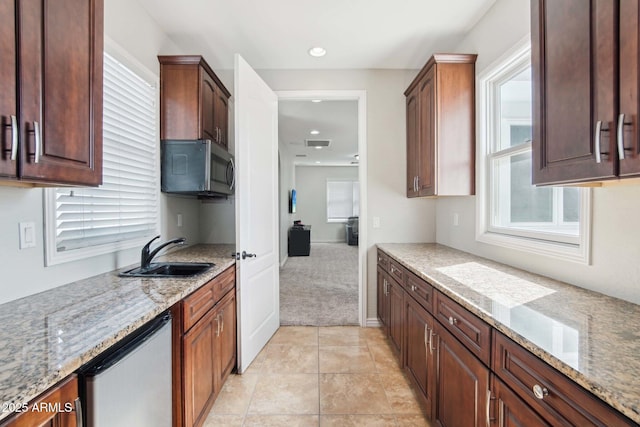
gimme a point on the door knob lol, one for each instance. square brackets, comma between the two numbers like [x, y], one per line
[246, 255]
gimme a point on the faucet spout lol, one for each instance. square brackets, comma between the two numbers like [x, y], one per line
[147, 256]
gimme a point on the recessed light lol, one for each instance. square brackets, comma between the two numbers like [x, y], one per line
[315, 132]
[317, 162]
[318, 147]
[317, 51]
[316, 100]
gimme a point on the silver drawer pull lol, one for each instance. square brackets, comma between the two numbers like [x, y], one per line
[453, 320]
[413, 288]
[540, 392]
[597, 141]
[38, 136]
[14, 138]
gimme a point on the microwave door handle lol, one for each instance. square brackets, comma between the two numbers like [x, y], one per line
[231, 168]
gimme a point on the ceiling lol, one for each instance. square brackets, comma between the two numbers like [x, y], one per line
[277, 34]
[335, 120]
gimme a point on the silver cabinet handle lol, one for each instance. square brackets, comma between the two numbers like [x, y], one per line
[418, 183]
[621, 136]
[393, 270]
[431, 334]
[222, 322]
[38, 137]
[413, 288]
[218, 325]
[488, 408]
[78, 407]
[426, 340]
[597, 140]
[14, 138]
[453, 320]
[233, 174]
[540, 392]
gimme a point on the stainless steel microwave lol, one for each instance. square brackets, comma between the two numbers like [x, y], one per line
[196, 167]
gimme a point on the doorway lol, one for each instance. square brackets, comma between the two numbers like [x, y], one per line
[329, 175]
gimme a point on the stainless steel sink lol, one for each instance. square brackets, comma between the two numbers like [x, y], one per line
[169, 269]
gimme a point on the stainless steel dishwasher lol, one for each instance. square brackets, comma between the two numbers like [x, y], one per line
[130, 384]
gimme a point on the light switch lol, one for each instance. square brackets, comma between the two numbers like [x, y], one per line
[27, 235]
[456, 219]
[179, 220]
[376, 222]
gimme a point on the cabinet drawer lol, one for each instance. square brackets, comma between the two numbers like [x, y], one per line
[470, 330]
[558, 399]
[197, 304]
[383, 260]
[224, 282]
[420, 290]
[396, 270]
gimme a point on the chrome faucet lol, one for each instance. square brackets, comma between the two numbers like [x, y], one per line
[146, 256]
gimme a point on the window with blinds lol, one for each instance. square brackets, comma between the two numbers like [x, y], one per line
[124, 209]
[343, 200]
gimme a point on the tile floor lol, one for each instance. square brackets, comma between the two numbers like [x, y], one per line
[328, 376]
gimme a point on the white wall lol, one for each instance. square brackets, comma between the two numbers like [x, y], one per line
[24, 272]
[615, 250]
[311, 186]
[286, 181]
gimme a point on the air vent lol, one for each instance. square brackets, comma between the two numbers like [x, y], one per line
[301, 155]
[317, 142]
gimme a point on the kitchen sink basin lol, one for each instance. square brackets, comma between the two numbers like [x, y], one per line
[169, 269]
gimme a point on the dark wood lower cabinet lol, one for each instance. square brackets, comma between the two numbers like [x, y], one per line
[204, 348]
[396, 314]
[420, 356]
[383, 299]
[511, 411]
[55, 408]
[463, 394]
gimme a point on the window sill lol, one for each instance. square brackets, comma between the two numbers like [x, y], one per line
[566, 252]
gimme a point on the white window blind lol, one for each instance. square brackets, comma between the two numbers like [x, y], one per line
[343, 200]
[125, 206]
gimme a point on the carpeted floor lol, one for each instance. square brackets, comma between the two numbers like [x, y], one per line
[321, 289]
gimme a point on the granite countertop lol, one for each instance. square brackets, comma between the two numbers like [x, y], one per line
[47, 336]
[592, 338]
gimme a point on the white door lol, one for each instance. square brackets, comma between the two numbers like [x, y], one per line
[256, 138]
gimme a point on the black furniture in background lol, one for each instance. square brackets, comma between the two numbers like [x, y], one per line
[352, 231]
[299, 240]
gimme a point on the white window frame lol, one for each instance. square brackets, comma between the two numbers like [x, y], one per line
[52, 256]
[552, 245]
[353, 201]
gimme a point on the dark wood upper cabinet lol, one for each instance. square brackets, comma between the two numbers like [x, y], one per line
[585, 70]
[52, 67]
[193, 101]
[441, 128]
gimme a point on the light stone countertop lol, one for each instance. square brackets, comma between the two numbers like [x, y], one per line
[592, 338]
[47, 336]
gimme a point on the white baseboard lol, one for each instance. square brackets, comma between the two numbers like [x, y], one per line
[372, 322]
[328, 241]
[282, 263]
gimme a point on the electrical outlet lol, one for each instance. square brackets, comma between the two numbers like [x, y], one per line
[27, 235]
[179, 220]
[456, 219]
[376, 222]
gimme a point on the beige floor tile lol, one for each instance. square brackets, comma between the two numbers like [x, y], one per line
[412, 421]
[346, 359]
[296, 335]
[281, 421]
[235, 395]
[256, 365]
[357, 421]
[290, 359]
[399, 393]
[342, 335]
[384, 358]
[352, 394]
[214, 420]
[285, 394]
[375, 335]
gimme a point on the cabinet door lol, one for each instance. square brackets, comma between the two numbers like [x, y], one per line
[396, 314]
[573, 55]
[207, 107]
[513, 411]
[60, 53]
[420, 362]
[383, 299]
[8, 99]
[200, 369]
[628, 137]
[60, 408]
[413, 136]
[226, 348]
[462, 384]
[222, 117]
[427, 135]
